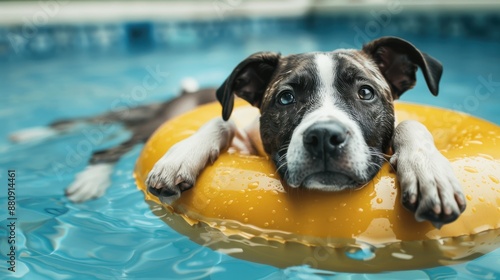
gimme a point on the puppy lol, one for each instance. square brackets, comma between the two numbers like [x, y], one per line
[327, 120]
[141, 121]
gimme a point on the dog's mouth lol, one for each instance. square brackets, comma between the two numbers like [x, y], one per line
[331, 181]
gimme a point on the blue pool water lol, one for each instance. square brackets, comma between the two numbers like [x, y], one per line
[119, 236]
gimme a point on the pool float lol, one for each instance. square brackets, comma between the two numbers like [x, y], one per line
[239, 205]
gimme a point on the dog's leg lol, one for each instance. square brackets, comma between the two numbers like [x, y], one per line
[178, 169]
[90, 183]
[428, 185]
[39, 133]
[93, 181]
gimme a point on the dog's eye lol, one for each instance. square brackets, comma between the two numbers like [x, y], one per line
[366, 93]
[286, 97]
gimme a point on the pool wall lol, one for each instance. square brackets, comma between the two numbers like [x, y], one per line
[53, 28]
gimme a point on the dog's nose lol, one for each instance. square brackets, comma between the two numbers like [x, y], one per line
[324, 138]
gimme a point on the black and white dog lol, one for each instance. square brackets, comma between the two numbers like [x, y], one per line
[327, 120]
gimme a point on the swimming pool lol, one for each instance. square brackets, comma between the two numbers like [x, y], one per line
[68, 71]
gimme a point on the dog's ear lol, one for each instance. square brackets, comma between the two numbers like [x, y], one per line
[248, 80]
[398, 59]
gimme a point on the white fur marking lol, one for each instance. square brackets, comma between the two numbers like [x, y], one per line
[325, 67]
[90, 183]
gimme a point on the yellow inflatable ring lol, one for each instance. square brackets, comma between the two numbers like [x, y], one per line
[240, 207]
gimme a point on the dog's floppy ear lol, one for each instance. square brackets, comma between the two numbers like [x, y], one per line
[248, 80]
[398, 59]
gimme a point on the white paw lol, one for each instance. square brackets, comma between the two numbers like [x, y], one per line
[32, 134]
[90, 183]
[428, 185]
[178, 169]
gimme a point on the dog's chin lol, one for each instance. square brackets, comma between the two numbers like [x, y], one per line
[330, 181]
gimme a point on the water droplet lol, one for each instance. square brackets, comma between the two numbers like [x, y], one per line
[230, 202]
[266, 224]
[470, 169]
[494, 179]
[250, 209]
[253, 185]
[274, 211]
[360, 210]
[245, 220]
[379, 200]
[475, 142]
[474, 209]
[481, 199]
[469, 197]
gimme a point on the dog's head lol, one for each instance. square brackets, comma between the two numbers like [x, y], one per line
[328, 118]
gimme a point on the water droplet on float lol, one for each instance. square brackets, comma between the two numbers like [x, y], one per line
[379, 200]
[474, 209]
[360, 210]
[494, 179]
[470, 169]
[469, 197]
[266, 224]
[253, 185]
[481, 199]
[245, 220]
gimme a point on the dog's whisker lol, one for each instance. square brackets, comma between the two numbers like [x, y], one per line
[284, 147]
[384, 157]
[284, 164]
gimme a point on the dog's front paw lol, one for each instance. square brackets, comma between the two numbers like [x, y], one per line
[178, 169]
[429, 187]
